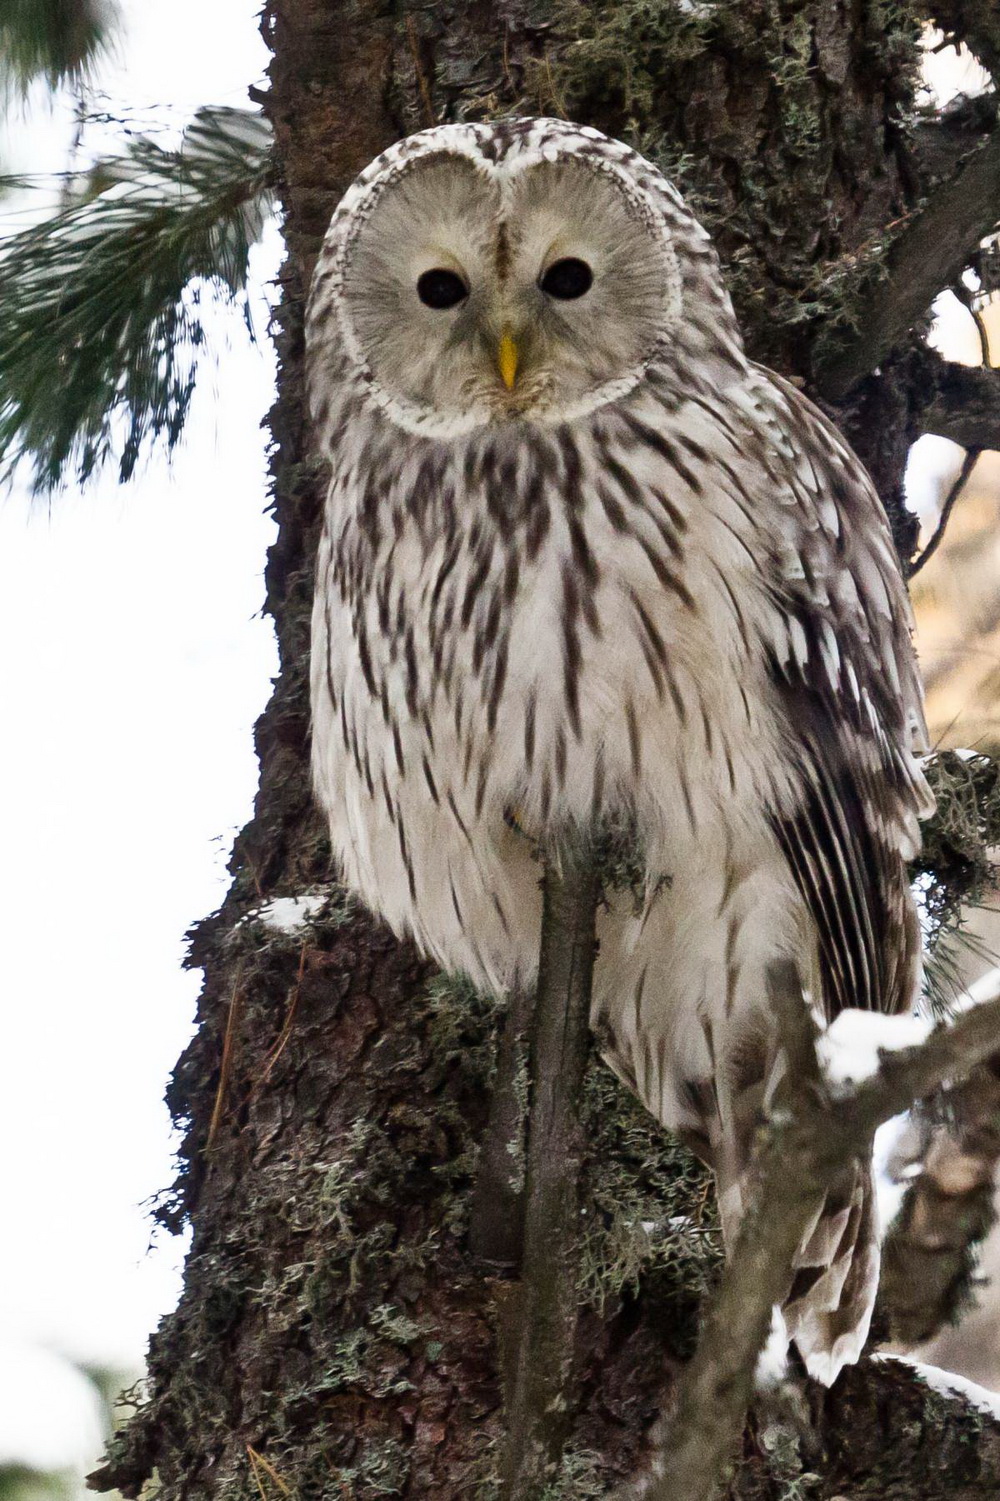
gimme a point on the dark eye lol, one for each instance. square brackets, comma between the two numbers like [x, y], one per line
[567, 279]
[440, 288]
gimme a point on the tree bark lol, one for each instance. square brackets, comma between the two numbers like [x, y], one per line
[541, 1388]
[337, 1336]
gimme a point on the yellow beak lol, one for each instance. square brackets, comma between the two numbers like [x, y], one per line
[507, 360]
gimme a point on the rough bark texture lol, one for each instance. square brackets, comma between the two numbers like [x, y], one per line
[336, 1336]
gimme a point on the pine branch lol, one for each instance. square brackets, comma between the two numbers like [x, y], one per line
[58, 40]
[927, 255]
[539, 1404]
[809, 1142]
[100, 319]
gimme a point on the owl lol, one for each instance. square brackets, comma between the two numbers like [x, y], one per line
[582, 562]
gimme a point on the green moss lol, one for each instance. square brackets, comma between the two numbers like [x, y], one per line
[955, 868]
[517, 1146]
[581, 1477]
[779, 1440]
[371, 1360]
[649, 1207]
[619, 54]
[731, 101]
[380, 1468]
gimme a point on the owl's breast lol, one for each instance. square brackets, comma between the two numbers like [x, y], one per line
[630, 683]
[538, 631]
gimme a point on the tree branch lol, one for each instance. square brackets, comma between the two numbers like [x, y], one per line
[540, 1393]
[717, 1384]
[920, 561]
[928, 254]
[928, 1257]
[809, 1142]
[963, 403]
[951, 1052]
[496, 1216]
[944, 138]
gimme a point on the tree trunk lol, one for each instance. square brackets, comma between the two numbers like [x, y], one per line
[336, 1335]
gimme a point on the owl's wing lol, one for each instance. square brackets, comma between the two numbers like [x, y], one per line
[846, 677]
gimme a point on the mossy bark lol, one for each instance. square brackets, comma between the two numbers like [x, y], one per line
[336, 1335]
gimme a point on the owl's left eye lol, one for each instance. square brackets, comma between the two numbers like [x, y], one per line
[567, 278]
[440, 288]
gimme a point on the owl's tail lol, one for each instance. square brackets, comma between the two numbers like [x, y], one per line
[831, 1294]
[828, 1308]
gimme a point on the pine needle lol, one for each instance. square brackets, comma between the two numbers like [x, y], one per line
[101, 314]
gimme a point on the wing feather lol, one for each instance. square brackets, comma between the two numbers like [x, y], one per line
[850, 691]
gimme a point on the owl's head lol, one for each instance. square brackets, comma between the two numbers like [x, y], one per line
[528, 270]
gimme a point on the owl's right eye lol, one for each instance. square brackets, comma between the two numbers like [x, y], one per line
[441, 289]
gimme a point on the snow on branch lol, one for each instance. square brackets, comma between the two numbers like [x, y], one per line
[817, 1127]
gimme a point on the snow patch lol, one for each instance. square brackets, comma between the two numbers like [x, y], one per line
[849, 1048]
[952, 1385]
[287, 914]
[980, 992]
[892, 1168]
[772, 1362]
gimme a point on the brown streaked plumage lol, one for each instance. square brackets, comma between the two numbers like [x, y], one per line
[620, 570]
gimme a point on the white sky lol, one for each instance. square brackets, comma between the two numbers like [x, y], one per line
[132, 666]
[133, 662]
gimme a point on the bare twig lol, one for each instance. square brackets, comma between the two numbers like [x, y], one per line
[984, 335]
[968, 464]
[971, 299]
[929, 253]
[539, 1399]
[973, 304]
[806, 1147]
[286, 1029]
[226, 1062]
[259, 1463]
